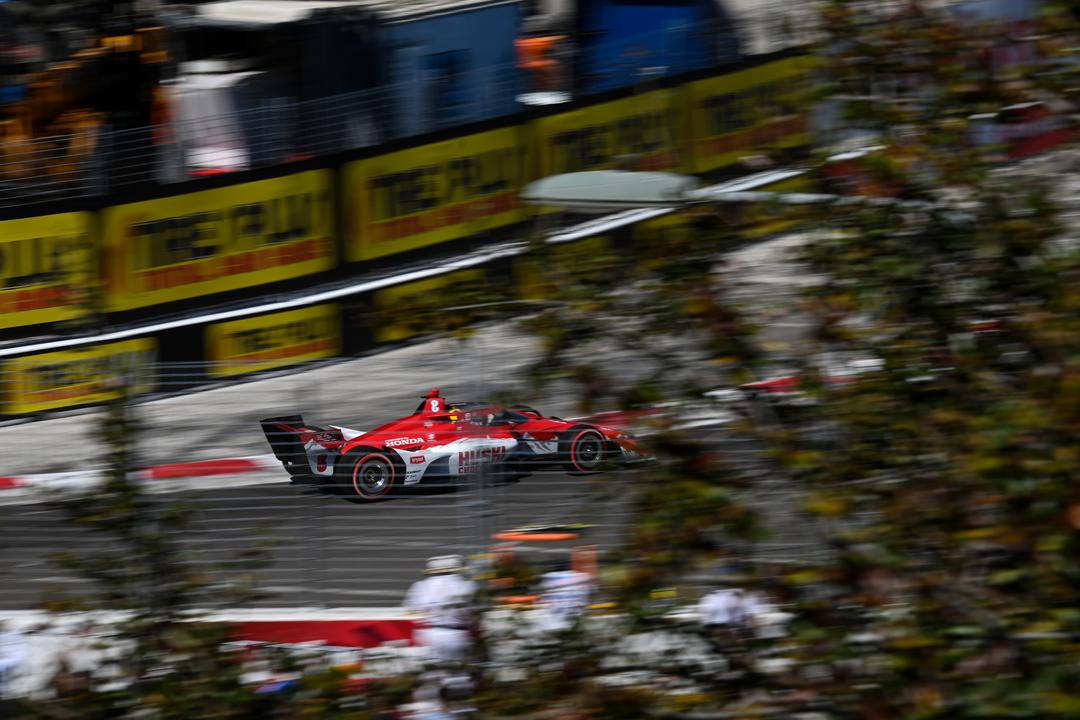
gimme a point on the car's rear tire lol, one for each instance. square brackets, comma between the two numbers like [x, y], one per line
[367, 474]
[583, 450]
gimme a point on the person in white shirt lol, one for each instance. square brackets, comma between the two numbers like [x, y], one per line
[564, 596]
[445, 599]
[721, 608]
[732, 614]
[13, 654]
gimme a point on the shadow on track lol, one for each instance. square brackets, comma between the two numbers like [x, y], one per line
[317, 486]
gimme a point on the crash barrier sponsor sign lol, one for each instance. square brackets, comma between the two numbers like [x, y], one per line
[755, 220]
[272, 341]
[746, 112]
[399, 311]
[213, 241]
[83, 376]
[666, 236]
[533, 279]
[433, 193]
[640, 132]
[662, 237]
[47, 265]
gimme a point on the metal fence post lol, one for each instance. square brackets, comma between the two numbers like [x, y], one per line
[169, 158]
[275, 132]
[96, 182]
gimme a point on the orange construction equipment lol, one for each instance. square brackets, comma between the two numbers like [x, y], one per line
[536, 56]
[161, 117]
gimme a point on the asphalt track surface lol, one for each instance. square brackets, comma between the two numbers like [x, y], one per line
[321, 550]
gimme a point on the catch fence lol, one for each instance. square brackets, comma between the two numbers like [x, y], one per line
[305, 542]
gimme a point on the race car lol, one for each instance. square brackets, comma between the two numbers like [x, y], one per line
[443, 442]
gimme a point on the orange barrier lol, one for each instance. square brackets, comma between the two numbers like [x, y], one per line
[517, 599]
[535, 537]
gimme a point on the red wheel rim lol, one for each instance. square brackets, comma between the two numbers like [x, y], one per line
[574, 450]
[376, 487]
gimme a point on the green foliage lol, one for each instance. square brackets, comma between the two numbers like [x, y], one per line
[946, 480]
[172, 662]
[661, 306]
[950, 472]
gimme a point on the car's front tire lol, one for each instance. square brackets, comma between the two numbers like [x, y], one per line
[366, 474]
[583, 450]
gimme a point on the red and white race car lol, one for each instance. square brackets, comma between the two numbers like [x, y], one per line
[442, 442]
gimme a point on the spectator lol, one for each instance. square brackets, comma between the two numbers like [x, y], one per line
[734, 607]
[732, 619]
[13, 653]
[445, 600]
[564, 595]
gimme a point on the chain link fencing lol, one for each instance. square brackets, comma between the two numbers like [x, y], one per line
[307, 544]
[317, 548]
[95, 159]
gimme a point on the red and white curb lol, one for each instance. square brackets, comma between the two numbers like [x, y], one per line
[376, 642]
[342, 627]
[222, 467]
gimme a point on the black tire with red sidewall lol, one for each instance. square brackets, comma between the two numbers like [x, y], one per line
[366, 474]
[583, 450]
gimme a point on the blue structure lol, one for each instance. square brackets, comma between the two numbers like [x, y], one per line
[450, 62]
[331, 75]
[395, 68]
[623, 42]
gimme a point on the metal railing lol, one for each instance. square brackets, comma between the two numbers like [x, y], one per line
[279, 130]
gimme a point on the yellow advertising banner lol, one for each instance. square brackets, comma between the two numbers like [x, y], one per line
[398, 308]
[66, 378]
[664, 236]
[761, 219]
[533, 283]
[272, 341]
[213, 241]
[642, 131]
[749, 111]
[47, 265]
[433, 193]
[660, 239]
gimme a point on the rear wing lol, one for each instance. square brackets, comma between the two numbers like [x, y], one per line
[284, 435]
